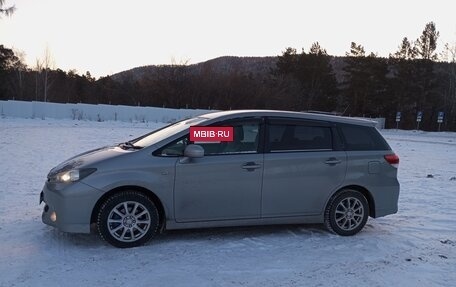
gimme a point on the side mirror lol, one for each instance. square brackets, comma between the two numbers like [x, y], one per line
[194, 151]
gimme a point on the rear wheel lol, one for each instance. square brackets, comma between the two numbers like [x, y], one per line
[127, 219]
[347, 213]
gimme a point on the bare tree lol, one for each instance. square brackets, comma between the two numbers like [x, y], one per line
[38, 69]
[20, 68]
[449, 53]
[6, 11]
[48, 65]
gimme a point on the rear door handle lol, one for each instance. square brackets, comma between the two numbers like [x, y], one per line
[333, 161]
[250, 166]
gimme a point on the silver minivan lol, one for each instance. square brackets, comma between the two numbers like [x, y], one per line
[278, 168]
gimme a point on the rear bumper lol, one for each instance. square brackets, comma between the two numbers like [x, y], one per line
[68, 207]
[386, 200]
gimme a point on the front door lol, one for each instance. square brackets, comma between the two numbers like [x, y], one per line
[225, 184]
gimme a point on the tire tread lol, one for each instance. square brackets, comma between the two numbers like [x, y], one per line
[127, 194]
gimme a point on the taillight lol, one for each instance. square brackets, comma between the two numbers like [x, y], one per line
[392, 159]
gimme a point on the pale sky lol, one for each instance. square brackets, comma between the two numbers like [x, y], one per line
[109, 36]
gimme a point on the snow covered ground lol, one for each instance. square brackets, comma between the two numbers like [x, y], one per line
[416, 247]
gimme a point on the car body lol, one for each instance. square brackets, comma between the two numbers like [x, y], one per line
[282, 167]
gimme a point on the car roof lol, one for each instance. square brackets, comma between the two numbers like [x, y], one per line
[222, 115]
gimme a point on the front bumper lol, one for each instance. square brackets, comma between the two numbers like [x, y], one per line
[68, 207]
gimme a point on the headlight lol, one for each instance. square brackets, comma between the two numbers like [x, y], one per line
[72, 175]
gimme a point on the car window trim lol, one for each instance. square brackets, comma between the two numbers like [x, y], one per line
[301, 150]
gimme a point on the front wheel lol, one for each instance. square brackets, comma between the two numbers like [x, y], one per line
[127, 219]
[347, 213]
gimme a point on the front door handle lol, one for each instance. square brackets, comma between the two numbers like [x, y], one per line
[250, 166]
[332, 161]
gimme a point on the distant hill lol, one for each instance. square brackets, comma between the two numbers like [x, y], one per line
[223, 65]
[230, 64]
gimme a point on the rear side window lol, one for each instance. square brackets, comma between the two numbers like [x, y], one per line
[295, 137]
[362, 138]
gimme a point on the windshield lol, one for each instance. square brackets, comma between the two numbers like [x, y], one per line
[165, 132]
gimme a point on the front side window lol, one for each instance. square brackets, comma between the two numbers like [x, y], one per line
[245, 139]
[296, 137]
[175, 148]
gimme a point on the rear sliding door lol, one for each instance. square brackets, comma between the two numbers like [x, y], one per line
[301, 167]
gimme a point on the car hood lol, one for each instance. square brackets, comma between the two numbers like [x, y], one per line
[87, 159]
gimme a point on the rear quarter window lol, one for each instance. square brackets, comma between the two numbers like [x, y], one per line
[362, 138]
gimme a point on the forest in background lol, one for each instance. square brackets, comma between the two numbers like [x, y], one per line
[412, 79]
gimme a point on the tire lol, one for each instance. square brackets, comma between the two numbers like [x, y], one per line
[127, 219]
[347, 212]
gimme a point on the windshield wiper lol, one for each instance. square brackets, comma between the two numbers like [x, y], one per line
[129, 145]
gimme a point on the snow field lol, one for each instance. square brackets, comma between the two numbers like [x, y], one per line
[416, 247]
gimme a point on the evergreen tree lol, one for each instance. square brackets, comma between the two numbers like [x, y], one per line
[405, 51]
[426, 44]
[287, 63]
[365, 83]
[309, 78]
[448, 85]
[426, 77]
[7, 58]
[317, 79]
[403, 83]
[356, 51]
[355, 78]
[8, 63]
[317, 50]
[415, 83]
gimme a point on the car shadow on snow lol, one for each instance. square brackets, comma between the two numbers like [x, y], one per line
[92, 240]
[253, 236]
[220, 234]
[271, 233]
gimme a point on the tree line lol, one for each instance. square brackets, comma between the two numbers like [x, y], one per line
[412, 79]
